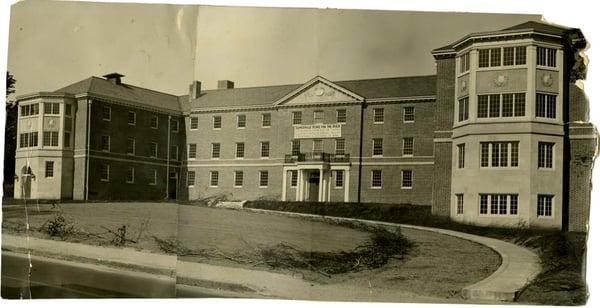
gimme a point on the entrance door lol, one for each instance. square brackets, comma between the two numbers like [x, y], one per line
[26, 182]
[173, 185]
[313, 186]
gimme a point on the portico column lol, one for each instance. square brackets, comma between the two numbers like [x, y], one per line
[284, 185]
[321, 185]
[329, 175]
[298, 185]
[346, 185]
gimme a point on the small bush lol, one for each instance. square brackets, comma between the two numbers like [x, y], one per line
[59, 226]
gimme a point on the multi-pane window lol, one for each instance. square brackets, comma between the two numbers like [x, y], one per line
[153, 177]
[490, 106]
[544, 205]
[106, 113]
[294, 178]
[463, 109]
[192, 151]
[154, 122]
[317, 146]
[498, 204]
[104, 172]
[295, 147]
[194, 123]
[546, 57]
[461, 155]
[131, 146]
[545, 106]
[490, 57]
[50, 139]
[67, 140]
[515, 55]
[29, 110]
[460, 201]
[49, 170]
[238, 178]
[28, 140]
[216, 150]
[377, 147]
[378, 115]
[51, 108]
[174, 125]
[266, 120]
[407, 178]
[239, 150]
[376, 179]
[340, 146]
[409, 114]
[131, 118]
[339, 178]
[341, 116]
[153, 149]
[545, 150]
[191, 178]
[297, 117]
[463, 63]
[174, 152]
[500, 154]
[264, 149]
[130, 176]
[105, 143]
[241, 121]
[214, 178]
[408, 146]
[217, 122]
[263, 178]
[318, 116]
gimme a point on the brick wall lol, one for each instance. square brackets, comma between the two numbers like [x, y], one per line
[444, 115]
[580, 177]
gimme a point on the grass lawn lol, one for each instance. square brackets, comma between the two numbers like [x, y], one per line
[437, 266]
[562, 253]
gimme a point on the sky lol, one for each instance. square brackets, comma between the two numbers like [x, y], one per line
[165, 47]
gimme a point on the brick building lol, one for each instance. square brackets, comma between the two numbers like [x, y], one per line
[498, 136]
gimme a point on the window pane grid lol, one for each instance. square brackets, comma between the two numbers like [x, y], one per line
[214, 178]
[241, 121]
[238, 179]
[339, 179]
[264, 149]
[407, 179]
[216, 150]
[239, 150]
[378, 115]
[459, 204]
[340, 146]
[264, 178]
[409, 114]
[376, 178]
[266, 120]
[408, 146]
[377, 147]
[499, 204]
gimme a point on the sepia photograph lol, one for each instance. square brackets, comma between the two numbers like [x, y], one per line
[156, 150]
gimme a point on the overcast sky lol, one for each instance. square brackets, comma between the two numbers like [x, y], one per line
[164, 47]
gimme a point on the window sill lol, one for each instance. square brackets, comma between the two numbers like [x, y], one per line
[413, 121]
[377, 123]
[107, 120]
[103, 180]
[238, 186]
[262, 187]
[375, 187]
[406, 188]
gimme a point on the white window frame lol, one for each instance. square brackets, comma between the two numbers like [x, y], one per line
[107, 179]
[373, 148]
[154, 118]
[264, 115]
[260, 174]
[460, 156]
[412, 146]
[544, 210]
[337, 182]
[412, 182]
[240, 121]
[134, 118]
[104, 108]
[153, 149]
[187, 180]
[46, 164]
[215, 117]
[375, 120]
[262, 145]
[102, 143]
[210, 178]
[154, 177]
[131, 171]
[235, 178]
[380, 179]
[294, 182]
[195, 152]
[546, 146]
[460, 204]
[341, 114]
[127, 148]
[296, 119]
[192, 120]
[237, 150]
[215, 146]
[321, 117]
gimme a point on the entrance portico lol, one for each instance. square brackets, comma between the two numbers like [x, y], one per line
[314, 181]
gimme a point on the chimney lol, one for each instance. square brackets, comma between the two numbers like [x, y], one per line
[225, 84]
[195, 89]
[115, 78]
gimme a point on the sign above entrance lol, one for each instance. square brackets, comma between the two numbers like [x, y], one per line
[317, 131]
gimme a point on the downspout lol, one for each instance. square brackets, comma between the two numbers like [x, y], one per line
[360, 151]
[168, 152]
[87, 155]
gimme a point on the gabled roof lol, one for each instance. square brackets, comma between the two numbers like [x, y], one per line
[105, 88]
[368, 88]
[314, 81]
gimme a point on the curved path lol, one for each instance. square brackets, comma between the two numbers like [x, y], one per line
[519, 265]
